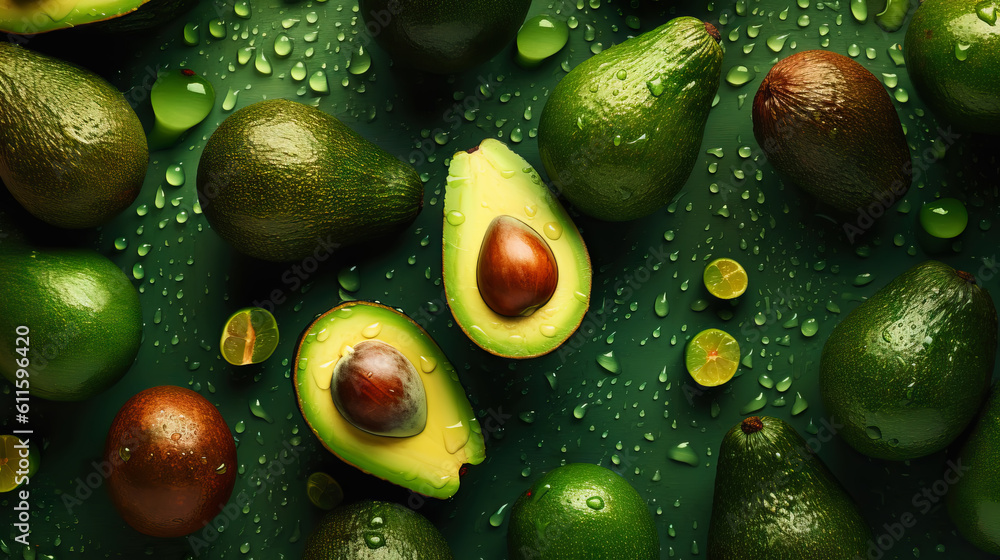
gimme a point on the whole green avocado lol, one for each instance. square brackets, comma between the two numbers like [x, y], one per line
[906, 371]
[620, 134]
[974, 501]
[776, 500]
[282, 181]
[952, 50]
[443, 36]
[72, 150]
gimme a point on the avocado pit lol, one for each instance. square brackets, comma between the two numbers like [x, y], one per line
[516, 272]
[378, 390]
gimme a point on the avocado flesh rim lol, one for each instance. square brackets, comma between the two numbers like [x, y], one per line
[42, 16]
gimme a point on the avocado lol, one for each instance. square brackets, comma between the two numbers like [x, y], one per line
[72, 150]
[827, 123]
[375, 530]
[603, 130]
[776, 500]
[281, 181]
[974, 501]
[508, 243]
[906, 371]
[74, 318]
[952, 50]
[443, 36]
[427, 462]
[40, 16]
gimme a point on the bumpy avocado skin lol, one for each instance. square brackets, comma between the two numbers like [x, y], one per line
[72, 150]
[974, 501]
[620, 134]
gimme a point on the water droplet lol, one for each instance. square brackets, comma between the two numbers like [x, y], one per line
[661, 306]
[282, 45]
[259, 412]
[125, 453]
[298, 71]
[372, 330]
[455, 218]
[242, 8]
[138, 272]
[175, 175]
[217, 28]
[221, 469]
[230, 101]
[809, 327]
[800, 405]
[180, 99]
[548, 331]
[683, 453]
[427, 364]
[349, 278]
[374, 540]
[609, 362]
[859, 9]
[873, 432]
[318, 83]
[261, 63]
[739, 75]
[360, 61]
[777, 42]
[552, 230]
[765, 381]
[987, 11]
[497, 518]
[754, 405]
[580, 410]
[656, 87]
[191, 34]
[539, 38]
[595, 502]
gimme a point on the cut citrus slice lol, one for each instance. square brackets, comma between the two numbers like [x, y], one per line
[324, 491]
[249, 337]
[12, 469]
[712, 357]
[725, 278]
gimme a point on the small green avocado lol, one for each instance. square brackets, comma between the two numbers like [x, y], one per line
[827, 123]
[72, 150]
[74, 320]
[443, 36]
[776, 500]
[952, 52]
[906, 371]
[350, 418]
[603, 131]
[373, 530]
[516, 271]
[281, 181]
[974, 501]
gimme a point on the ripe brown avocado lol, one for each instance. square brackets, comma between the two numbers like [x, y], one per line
[826, 123]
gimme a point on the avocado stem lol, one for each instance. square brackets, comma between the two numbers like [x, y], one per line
[966, 276]
[752, 425]
[713, 32]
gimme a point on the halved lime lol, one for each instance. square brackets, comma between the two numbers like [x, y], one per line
[712, 357]
[324, 491]
[249, 337]
[725, 278]
[12, 471]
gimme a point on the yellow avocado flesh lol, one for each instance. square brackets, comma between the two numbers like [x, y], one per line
[494, 181]
[39, 16]
[427, 463]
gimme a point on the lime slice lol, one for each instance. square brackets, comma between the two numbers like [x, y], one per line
[12, 471]
[712, 357]
[725, 278]
[324, 492]
[249, 337]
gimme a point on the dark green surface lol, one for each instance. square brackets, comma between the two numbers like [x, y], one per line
[800, 264]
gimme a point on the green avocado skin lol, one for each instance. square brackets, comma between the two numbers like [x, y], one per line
[443, 36]
[621, 133]
[407, 535]
[149, 15]
[281, 181]
[906, 371]
[974, 501]
[776, 500]
[965, 93]
[72, 150]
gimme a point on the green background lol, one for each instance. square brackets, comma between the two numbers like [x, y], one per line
[802, 266]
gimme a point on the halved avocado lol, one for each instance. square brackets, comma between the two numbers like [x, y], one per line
[428, 462]
[491, 182]
[28, 17]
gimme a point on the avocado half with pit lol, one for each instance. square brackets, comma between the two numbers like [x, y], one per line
[517, 274]
[380, 394]
[41, 16]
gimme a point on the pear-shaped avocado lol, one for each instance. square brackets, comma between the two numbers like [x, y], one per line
[828, 124]
[906, 371]
[776, 500]
[356, 420]
[72, 150]
[282, 181]
[974, 500]
[620, 134]
[373, 530]
[443, 36]
[516, 271]
[952, 52]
